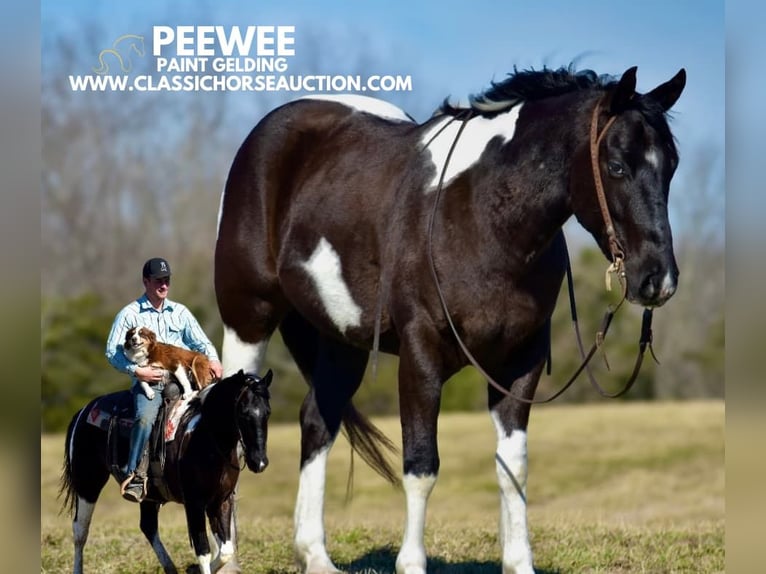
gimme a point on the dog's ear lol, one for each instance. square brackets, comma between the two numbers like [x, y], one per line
[150, 335]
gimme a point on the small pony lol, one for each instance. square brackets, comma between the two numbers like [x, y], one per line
[228, 420]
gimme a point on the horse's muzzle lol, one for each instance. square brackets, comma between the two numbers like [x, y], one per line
[655, 289]
[257, 464]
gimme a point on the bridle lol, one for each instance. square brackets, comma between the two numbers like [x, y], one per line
[618, 254]
[616, 267]
[240, 440]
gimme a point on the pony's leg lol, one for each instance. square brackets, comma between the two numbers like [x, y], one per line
[337, 372]
[511, 418]
[80, 528]
[248, 356]
[195, 521]
[420, 380]
[149, 526]
[86, 474]
[220, 525]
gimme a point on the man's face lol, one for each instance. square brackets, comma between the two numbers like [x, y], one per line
[157, 288]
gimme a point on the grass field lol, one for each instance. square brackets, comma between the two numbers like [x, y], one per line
[613, 487]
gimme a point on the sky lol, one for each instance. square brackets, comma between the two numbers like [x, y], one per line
[453, 49]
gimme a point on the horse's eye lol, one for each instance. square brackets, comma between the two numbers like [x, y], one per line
[616, 169]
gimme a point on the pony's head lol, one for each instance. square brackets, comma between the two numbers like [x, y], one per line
[252, 411]
[635, 157]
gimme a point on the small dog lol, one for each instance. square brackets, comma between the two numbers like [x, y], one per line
[142, 348]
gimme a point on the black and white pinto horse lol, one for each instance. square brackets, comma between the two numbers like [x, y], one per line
[324, 232]
[201, 466]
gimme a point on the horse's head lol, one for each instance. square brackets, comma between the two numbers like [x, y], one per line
[636, 158]
[252, 412]
[138, 45]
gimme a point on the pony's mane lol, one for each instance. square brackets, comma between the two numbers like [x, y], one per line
[528, 85]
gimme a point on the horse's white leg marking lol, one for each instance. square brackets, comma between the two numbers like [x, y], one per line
[204, 563]
[222, 551]
[227, 557]
[514, 537]
[309, 516]
[367, 104]
[227, 551]
[475, 137]
[412, 555]
[238, 354]
[324, 268]
[80, 527]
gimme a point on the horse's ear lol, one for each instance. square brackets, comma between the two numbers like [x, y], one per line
[266, 380]
[668, 93]
[624, 91]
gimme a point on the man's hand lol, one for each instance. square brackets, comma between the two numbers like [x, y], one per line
[216, 369]
[150, 374]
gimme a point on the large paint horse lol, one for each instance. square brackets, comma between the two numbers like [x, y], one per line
[329, 223]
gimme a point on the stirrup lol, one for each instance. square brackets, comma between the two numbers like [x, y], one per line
[124, 484]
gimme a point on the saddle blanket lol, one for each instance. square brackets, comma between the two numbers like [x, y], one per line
[120, 405]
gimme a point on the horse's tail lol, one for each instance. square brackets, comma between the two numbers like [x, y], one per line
[367, 439]
[66, 487]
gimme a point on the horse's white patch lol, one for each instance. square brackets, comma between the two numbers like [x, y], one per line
[652, 157]
[367, 104]
[179, 408]
[237, 354]
[309, 511]
[324, 268]
[512, 450]
[412, 555]
[668, 286]
[475, 137]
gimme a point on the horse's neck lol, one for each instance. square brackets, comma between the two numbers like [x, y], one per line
[217, 418]
[526, 203]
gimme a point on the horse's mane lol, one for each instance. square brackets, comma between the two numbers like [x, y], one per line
[528, 85]
[221, 390]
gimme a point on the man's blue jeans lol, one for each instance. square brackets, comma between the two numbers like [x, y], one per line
[145, 414]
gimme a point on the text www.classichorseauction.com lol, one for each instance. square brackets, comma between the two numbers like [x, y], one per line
[218, 58]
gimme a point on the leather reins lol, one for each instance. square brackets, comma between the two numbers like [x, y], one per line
[616, 267]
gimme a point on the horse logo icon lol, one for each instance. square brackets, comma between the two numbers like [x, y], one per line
[121, 49]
